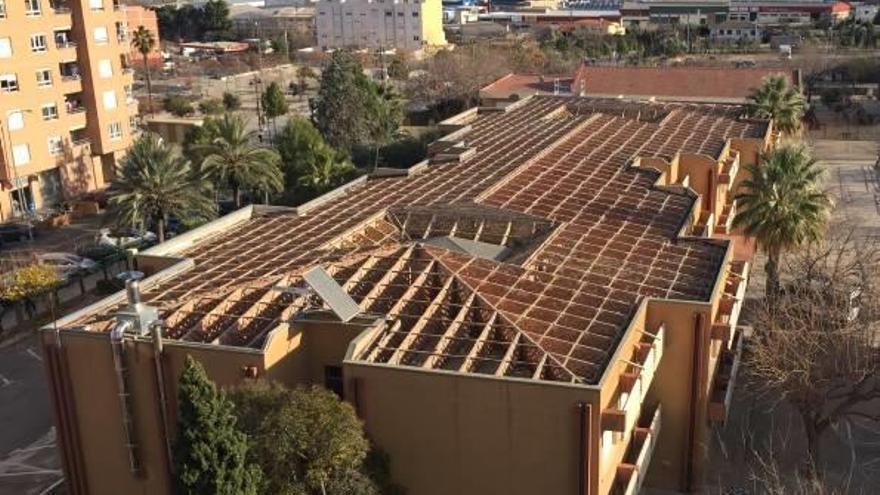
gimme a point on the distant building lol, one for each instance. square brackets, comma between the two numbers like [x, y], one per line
[66, 106]
[733, 31]
[863, 12]
[395, 24]
[782, 13]
[274, 23]
[698, 84]
[135, 17]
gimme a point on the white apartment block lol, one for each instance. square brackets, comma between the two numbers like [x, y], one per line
[409, 25]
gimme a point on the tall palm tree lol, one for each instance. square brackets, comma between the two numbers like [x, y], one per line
[777, 101]
[143, 41]
[232, 159]
[782, 205]
[155, 182]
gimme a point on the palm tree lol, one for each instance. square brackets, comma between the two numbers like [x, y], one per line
[775, 100]
[232, 159]
[143, 41]
[782, 205]
[325, 172]
[155, 182]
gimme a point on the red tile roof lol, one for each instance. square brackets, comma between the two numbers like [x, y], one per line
[551, 180]
[722, 84]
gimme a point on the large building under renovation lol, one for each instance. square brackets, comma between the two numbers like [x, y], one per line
[548, 304]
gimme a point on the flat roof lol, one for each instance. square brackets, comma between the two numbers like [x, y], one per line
[588, 237]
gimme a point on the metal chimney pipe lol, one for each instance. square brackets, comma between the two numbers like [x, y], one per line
[133, 291]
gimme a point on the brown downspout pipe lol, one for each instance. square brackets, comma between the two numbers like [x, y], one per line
[156, 330]
[65, 413]
[61, 424]
[584, 443]
[697, 377]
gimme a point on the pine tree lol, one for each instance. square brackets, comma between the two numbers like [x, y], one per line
[274, 104]
[210, 452]
[349, 106]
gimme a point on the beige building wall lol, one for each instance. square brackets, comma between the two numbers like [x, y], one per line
[56, 138]
[409, 25]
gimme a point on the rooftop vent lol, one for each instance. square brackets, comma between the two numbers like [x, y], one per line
[136, 317]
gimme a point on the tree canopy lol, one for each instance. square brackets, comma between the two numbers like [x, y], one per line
[306, 440]
[310, 165]
[231, 159]
[154, 182]
[210, 452]
[779, 102]
[782, 205]
[207, 22]
[349, 107]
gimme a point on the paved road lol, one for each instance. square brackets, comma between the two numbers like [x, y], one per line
[29, 462]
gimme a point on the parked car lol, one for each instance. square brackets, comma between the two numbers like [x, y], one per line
[66, 264]
[125, 238]
[15, 232]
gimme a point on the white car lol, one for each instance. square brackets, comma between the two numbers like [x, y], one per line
[66, 263]
[134, 240]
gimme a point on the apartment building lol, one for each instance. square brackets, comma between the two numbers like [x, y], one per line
[65, 99]
[548, 304]
[408, 25]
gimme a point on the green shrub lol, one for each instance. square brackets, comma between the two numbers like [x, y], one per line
[211, 106]
[178, 105]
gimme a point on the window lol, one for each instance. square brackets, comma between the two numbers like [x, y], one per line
[2, 9]
[21, 154]
[5, 47]
[50, 111]
[96, 4]
[15, 120]
[38, 43]
[415, 14]
[8, 82]
[400, 14]
[109, 100]
[387, 13]
[101, 34]
[115, 130]
[55, 146]
[32, 7]
[105, 68]
[415, 38]
[44, 78]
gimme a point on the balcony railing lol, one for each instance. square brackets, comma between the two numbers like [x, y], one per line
[76, 109]
[705, 225]
[634, 383]
[725, 221]
[724, 383]
[631, 472]
[731, 302]
[128, 71]
[64, 44]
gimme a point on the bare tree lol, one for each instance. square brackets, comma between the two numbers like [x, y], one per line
[817, 347]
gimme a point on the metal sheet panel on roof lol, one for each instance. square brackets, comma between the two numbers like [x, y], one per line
[332, 293]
